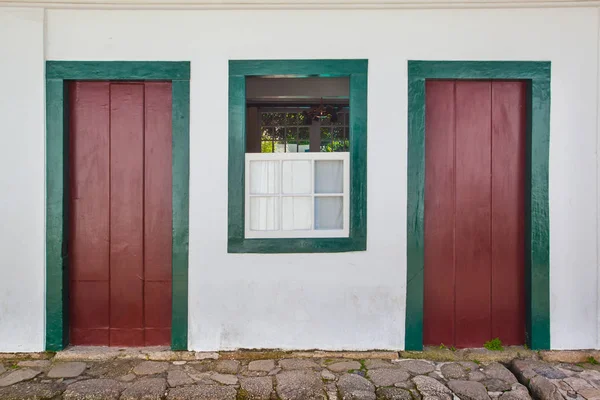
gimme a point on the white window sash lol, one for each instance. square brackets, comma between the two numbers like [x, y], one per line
[309, 233]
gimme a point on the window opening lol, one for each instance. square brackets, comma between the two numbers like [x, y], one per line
[293, 187]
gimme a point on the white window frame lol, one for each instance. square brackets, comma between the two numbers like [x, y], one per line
[307, 156]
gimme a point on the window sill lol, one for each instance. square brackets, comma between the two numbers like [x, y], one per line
[307, 245]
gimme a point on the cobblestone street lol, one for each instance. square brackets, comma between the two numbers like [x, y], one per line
[313, 377]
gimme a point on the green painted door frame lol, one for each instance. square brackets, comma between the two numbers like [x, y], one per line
[537, 245]
[58, 73]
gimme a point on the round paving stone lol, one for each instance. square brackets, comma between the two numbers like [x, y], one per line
[261, 365]
[430, 387]
[145, 389]
[94, 389]
[327, 375]
[203, 366]
[224, 379]
[355, 387]
[405, 385]
[496, 385]
[227, 366]
[67, 370]
[499, 371]
[518, 392]
[32, 391]
[298, 363]
[543, 388]
[388, 376]
[453, 371]
[469, 366]
[469, 390]
[127, 378]
[376, 363]
[550, 372]
[10, 378]
[417, 367]
[258, 388]
[344, 366]
[299, 385]
[477, 376]
[202, 392]
[389, 393]
[113, 369]
[178, 378]
[150, 368]
[571, 367]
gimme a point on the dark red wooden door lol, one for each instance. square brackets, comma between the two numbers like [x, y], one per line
[474, 212]
[120, 213]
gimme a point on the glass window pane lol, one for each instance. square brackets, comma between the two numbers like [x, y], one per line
[292, 118]
[280, 140]
[264, 213]
[267, 133]
[264, 177]
[266, 118]
[303, 140]
[296, 213]
[266, 146]
[325, 133]
[291, 139]
[329, 213]
[296, 177]
[278, 119]
[338, 133]
[329, 176]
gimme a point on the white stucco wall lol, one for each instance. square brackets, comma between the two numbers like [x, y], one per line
[327, 301]
[21, 179]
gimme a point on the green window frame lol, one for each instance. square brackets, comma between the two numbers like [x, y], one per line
[58, 73]
[537, 232]
[356, 70]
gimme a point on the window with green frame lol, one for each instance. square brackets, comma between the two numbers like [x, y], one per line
[352, 237]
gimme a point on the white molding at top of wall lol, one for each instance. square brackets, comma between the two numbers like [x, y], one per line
[293, 4]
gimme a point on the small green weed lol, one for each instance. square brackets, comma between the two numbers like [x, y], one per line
[591, 360]
[242, 394]
[477, 362]
[494, 345]
[525, 346]
[443, 347]
[452, 348]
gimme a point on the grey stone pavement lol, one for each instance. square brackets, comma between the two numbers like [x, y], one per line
[295, 378]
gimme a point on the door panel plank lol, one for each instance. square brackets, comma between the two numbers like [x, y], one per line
[473, 213]
[508, 211]
[127, 211]
[89, 216]
[157, 188]
[89, 183]
[438, 302]
[89, 318]
[157, 215]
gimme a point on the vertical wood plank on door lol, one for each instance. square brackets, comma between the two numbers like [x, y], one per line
[127, 211]
[157, 215]
[438, 302]
[473, 212]
[508, 211]
[89, 204]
